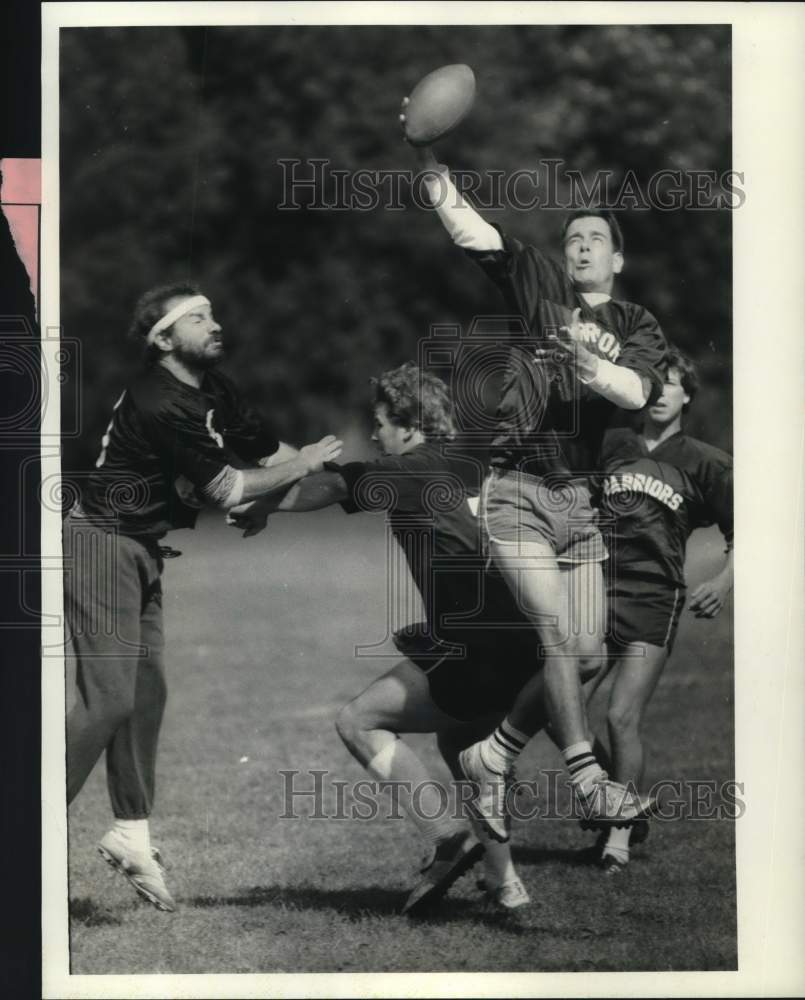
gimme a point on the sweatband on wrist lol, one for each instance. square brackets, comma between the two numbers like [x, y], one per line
[620, 385]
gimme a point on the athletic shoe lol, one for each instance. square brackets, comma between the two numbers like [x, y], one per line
[608, 803]
[453, 858]
[144, 871]
[509, 896]
[488, 804]
[610, 865]
[639, 835]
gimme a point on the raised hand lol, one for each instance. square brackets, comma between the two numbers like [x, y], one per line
[326, 450]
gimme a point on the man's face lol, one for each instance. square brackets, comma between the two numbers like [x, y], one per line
[195, 338]
[390, 438]
[591, 261]
[669, 406]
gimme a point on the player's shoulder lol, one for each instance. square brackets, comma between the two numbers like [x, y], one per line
[157, 396]
[704, 454]
[636, 315]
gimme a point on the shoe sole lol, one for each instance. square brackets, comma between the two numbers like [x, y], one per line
[482, 821]
[112, 861]
[438, 889]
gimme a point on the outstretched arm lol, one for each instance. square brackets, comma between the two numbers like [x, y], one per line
[316, 491]
[464, 225]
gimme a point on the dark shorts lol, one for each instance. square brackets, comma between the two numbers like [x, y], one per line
[518, 507]
[643, 610]
[480, 680]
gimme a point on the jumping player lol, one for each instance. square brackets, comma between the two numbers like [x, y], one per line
[179, 436]
[582, 354]
[660, 486]
[457, 679]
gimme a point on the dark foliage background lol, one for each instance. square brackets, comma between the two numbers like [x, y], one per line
[170, 141]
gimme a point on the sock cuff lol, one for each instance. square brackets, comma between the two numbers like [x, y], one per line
[380, 765]
[513, 732]
[512, 736]
[578, 750]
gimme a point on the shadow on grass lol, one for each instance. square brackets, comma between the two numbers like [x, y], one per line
[576, 857]
[366, 902]
[87, 912]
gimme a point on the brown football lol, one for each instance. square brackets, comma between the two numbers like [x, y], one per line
[438, 103]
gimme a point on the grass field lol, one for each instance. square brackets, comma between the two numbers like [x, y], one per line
[260, 655]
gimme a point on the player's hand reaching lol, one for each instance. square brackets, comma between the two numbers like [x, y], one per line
[326, 450]
[709, 597]
[566, 346]
[250, 518]
[424, 154]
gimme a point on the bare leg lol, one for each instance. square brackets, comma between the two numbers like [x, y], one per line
[636, 678]
[566, 606]
[400, 702]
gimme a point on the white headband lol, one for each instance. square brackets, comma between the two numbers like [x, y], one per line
[184, 307]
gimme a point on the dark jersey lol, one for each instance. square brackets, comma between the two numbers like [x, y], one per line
[549, 422]
[165, 442]
[653, 500]
[428, 498]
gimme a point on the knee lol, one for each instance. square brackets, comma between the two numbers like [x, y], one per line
[588, 657]
[347, 723]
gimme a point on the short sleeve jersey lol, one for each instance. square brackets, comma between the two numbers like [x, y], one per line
[547, 421]
[165, 442]
[429, 502]
[653, 500]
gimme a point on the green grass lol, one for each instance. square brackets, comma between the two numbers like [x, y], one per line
[260, 654]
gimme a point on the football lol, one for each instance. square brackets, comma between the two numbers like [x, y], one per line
[438, 103]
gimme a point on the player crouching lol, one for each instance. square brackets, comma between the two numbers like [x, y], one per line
[454, 681]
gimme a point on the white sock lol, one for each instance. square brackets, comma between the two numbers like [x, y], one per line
[617, 845]
[582, 765]
[498, 865]
[398, 762]
[501, 748]
[135, 832]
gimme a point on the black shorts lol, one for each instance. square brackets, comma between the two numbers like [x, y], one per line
[644, 610]
[482, 679]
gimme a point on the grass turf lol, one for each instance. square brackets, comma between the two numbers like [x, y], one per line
[260, 654]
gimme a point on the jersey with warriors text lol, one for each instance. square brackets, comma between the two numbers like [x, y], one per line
[653, 500]
[165, 442]
[548, 423]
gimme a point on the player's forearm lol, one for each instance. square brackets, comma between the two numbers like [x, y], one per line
[258, 483]
[319, 490]
[620, 385]
[464, 225]
[284, 453]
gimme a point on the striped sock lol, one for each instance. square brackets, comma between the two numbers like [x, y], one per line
[582, 765]
[501, 749]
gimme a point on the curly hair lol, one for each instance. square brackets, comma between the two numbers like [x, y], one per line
[688, 373]
[416, 398]
[150, 308]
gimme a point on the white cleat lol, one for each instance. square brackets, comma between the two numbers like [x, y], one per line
[488, 804]
[608, 803]
[509, 895]
[143, 870]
